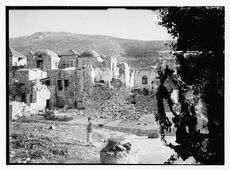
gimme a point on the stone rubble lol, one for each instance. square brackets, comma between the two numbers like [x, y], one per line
[116, 153]
[119, 107]
[20, 109]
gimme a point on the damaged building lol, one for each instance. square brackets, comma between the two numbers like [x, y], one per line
[67, 79]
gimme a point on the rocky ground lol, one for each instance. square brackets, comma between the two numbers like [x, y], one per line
[51, 143]
[36, 140]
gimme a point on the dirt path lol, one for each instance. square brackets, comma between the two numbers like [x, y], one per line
[73, 138]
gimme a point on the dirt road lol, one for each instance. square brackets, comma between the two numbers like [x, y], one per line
[66, 143]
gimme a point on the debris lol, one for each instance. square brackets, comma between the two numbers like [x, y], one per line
[153, 135]
[127, 146]
[52, 127]
[101, 140]
[115, 153]
[120, 148]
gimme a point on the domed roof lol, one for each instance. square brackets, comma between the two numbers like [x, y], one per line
[46, 52]
[89, 53]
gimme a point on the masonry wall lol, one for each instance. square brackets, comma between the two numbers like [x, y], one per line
[40, 95]
[35, 93]
[65, 95]
[24, 75]
[151, 77]
[68, 61]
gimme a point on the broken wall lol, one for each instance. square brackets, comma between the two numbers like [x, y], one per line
[40, 95]
[138, 78]
[24, 75]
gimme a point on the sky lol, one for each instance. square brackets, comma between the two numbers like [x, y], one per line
[123, 23]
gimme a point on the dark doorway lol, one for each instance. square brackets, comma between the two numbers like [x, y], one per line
[39, 64]
[48, 103]
[23, 97]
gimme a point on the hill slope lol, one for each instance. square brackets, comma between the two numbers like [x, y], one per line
[134, 52]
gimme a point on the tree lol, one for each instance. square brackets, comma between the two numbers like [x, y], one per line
[200, 36]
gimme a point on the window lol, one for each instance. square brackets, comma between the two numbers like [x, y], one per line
[31, 98]
[64, 65]
[71, 64]
[67, 65]
[66, 83]
[144, 80]
[60, 87]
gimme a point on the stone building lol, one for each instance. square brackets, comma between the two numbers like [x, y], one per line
[51, 80]
[33, 93]
[46, 60]
[69, 86]
[69, 59]
[16, 59]
[144, 78]
[89, 57]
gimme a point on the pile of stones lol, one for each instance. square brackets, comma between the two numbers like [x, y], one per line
[117, 153]
[117, 108]
[145, 104]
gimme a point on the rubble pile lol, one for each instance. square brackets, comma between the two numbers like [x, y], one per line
[20, 109]
[116, 104]
[118, 107]
[145, 104]
[99, 95]
[117, 153]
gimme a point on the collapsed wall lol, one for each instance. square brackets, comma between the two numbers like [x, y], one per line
[20, 109]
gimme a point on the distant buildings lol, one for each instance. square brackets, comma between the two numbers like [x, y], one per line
[52, 80]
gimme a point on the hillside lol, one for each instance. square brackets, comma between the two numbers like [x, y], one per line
[136, 52]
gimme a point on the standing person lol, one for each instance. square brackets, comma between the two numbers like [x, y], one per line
[89, 129]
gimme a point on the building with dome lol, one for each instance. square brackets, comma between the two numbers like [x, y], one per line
[69, 77]
[45, 59]
[89, 57]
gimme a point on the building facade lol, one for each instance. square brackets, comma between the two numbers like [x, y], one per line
[46, 60]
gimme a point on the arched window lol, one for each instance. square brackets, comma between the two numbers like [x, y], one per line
[144, 80]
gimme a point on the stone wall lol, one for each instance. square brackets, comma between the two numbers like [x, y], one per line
[40, 95]
[150, 73]
[78, 90]
[34, 94]
[24, 75]
[68, 61]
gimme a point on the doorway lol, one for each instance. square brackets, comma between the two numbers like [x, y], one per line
[39, 64]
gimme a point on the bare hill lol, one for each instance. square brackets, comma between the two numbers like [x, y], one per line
[136, 52]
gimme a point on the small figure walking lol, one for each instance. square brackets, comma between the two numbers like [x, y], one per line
[89, 129]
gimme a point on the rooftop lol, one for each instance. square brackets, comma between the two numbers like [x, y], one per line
[45, 52]
[90, 53]
[15, 53]
[69, 53]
